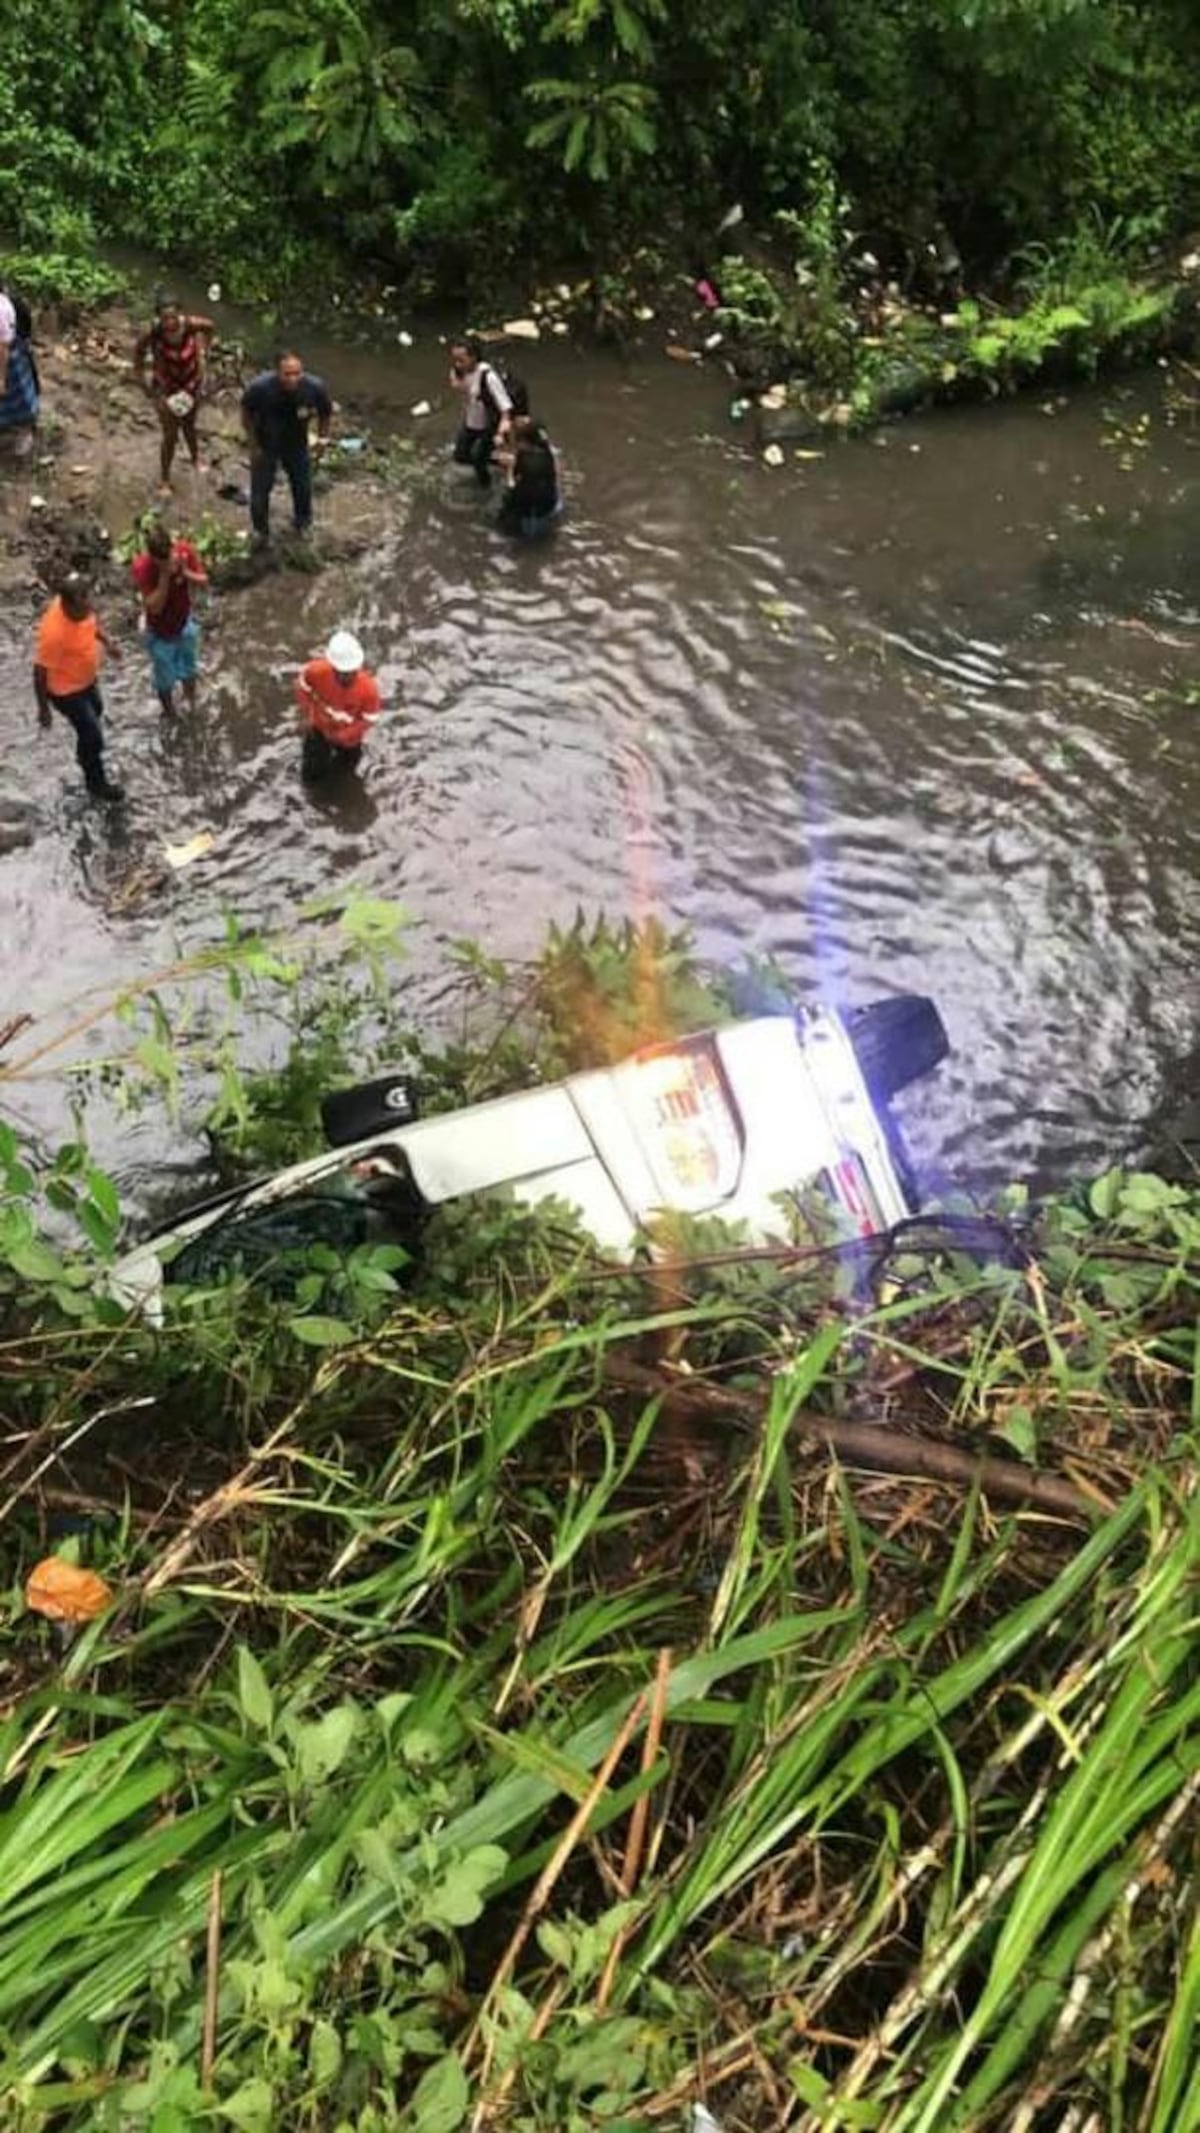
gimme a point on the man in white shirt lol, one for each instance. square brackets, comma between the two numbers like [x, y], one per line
[487, 407]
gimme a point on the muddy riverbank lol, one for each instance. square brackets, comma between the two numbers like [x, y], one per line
[917, 712]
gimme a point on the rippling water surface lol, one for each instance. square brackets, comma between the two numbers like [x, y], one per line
[881, 714]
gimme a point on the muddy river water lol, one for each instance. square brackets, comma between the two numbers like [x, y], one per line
[920, 714]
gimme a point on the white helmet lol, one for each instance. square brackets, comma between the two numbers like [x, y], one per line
[344, 652]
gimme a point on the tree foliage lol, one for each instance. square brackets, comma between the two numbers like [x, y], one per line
[452, 136]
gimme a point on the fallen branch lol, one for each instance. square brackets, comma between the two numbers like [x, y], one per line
[862, 1444]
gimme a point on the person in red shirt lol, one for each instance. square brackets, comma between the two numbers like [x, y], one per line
[177, 344]
[164, 574]
[339, 702]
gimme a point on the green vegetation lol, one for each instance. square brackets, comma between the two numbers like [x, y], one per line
[508, 1713]
[456, 141]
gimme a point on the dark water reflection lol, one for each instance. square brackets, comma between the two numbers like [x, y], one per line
[877, 714]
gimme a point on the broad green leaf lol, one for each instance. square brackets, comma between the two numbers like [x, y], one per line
[35, 1261]
[97, 1228]
[251, 2108]
[321, 1746]
[324, 2054]
[254, 1694]
[459, 1897]
[319, 1332]
[104, 1193]
[442, 2097]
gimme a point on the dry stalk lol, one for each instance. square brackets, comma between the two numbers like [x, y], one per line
[494, 2100]
[227, 1497]
[734, 2058]
[212, 1982]
[542, 1889]
[635, 1843]
[83, 1429]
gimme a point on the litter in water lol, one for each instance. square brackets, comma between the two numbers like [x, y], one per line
[182, 855]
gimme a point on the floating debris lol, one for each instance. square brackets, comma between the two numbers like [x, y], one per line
[524, 329]
[421, 409]
[182, 855]
[773, 456]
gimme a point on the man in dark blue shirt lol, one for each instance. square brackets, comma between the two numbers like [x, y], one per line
[277, 408]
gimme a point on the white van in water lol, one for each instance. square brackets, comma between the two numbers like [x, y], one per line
[719, 1124]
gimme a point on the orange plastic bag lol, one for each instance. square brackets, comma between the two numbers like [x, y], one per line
[64, 1593]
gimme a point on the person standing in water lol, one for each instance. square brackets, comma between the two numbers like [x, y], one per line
[176, 342]
[277, 408]
[165, 574]
[65, 677]
[487, 407]
[339, 702]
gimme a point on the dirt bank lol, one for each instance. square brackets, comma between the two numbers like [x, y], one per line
[95, 469]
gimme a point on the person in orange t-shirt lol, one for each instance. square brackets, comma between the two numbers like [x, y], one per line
[339, 702]
[66, 663]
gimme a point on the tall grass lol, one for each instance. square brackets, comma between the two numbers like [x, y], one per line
[917, 1786]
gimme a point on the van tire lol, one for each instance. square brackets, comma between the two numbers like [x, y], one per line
[371, 1107]
[897, 1042]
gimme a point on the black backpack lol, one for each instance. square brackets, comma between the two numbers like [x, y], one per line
[22, 314]
[515, 387]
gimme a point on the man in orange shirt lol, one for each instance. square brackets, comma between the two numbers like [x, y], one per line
[66, 664]
[339, 702]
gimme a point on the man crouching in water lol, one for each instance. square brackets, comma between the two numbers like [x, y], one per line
[339, 702]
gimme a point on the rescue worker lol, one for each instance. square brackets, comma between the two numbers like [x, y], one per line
[339, 703]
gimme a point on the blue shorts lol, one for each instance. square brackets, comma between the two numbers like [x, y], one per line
[174, 658]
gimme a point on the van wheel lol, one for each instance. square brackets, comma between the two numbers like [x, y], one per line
[356, 1114]
[897, 1041]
